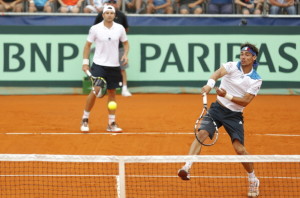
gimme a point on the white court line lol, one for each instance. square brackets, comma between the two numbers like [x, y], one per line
[289, 135]
[100, 133]
[141, 133]
[150, 176]
[58, 175]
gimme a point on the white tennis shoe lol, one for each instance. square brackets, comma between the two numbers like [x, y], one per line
[113, 127]
[184, 173]
[253, 187]
[126, 93]
[84, 125]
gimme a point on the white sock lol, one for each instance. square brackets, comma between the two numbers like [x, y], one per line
[86, 114]
[188, 164]
[251, 175]
[124, 87]
[111, 119]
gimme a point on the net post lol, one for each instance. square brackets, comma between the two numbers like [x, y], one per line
[122, 178]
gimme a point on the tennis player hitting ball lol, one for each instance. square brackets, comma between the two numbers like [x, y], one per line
[239, 85]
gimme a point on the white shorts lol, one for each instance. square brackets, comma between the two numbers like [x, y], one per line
[92, 8]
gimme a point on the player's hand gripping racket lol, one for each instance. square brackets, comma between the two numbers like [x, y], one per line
[99, 85]
[209, 123]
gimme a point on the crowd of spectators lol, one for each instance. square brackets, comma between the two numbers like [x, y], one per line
[196, 7]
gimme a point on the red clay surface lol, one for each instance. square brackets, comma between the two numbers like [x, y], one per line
[156, 114]
[154, 124]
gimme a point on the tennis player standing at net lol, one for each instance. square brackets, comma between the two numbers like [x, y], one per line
[106, 36]
[239, 85]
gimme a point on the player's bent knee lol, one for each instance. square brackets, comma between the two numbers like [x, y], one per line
[239, 148]
[202, 134]
[240, 151]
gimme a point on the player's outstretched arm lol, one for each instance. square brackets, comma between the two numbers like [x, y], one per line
[213, 78]
[86, 55]
[219, 73]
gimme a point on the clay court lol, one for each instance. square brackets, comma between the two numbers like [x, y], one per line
[153, 124]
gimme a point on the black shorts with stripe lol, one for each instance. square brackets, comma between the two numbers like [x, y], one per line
[232, 121]
[112, 75]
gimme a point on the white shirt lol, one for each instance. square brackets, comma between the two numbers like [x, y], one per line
[107, 43]
[237, 83]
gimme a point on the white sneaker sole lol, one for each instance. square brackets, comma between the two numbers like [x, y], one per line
[84, 129]
[126, 94]
[254, 194]
[114, 131]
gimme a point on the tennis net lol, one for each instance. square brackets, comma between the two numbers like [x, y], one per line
[33, 175]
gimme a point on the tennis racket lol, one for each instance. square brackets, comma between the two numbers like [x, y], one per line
[206, 120]
[99, 85]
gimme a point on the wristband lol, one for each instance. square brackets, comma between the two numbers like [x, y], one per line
[211, 83]
[85, 62]
[228, 96]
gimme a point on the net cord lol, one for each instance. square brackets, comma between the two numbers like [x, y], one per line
[154, 159]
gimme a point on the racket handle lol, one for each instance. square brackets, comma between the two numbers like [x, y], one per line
[204, 99]
[88, 73]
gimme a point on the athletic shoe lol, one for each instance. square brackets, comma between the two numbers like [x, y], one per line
[184, 173]
[126, 93]
[85, 125]
[253, 187]
[113, 127]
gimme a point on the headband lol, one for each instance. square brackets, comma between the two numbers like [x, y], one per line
[248, 49]
[109, 8]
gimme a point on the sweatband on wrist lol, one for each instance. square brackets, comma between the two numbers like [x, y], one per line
[228, 96]
[86, 62]
[211, 83]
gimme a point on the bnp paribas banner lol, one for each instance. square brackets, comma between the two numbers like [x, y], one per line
[162, 56]
[41, 57]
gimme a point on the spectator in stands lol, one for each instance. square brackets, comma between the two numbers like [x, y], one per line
[250, 6]
[159, 7]
[119, 4]
[282, 5]
[120, 19]
[190, 6]
[72, 6]
[135, 6]
[93, 6]
[220, 7]
[40, 5]
[11, 6]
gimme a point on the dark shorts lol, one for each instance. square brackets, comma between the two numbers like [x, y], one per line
[40, 8]
[191, 10]
[112, 75]
[220, 8]
[233, 122]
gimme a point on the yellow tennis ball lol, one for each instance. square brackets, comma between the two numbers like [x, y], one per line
[112, 105]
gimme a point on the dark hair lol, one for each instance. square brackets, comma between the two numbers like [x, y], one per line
[253, 47]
